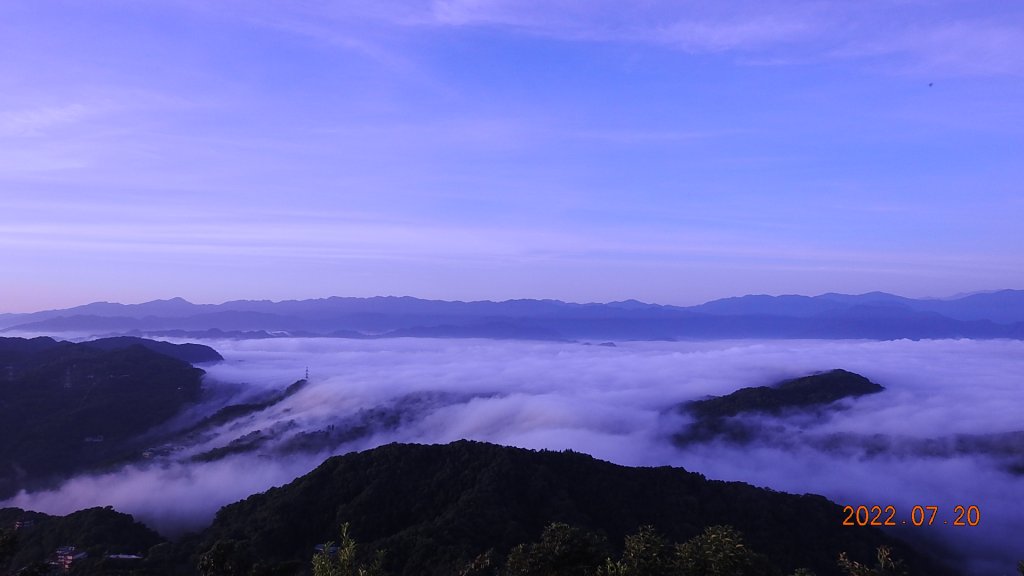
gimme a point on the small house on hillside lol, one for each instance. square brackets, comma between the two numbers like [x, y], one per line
[66, 556]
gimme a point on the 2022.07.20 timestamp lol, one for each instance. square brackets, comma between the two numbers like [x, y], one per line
[919, 516]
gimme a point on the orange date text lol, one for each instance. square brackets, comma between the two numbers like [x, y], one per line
[919, 516]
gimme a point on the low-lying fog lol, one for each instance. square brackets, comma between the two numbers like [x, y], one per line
[936, 436]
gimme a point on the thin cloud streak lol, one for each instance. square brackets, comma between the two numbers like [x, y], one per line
[427, 241]
[34, 121]
[793, 32]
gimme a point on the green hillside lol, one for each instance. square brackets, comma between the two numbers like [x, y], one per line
[435, 508]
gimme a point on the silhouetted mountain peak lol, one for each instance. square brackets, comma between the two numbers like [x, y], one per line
[631, 304]
[176, 299]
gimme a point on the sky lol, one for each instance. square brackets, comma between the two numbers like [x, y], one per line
[668, 151]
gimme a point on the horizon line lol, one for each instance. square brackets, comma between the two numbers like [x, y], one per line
[507, 300]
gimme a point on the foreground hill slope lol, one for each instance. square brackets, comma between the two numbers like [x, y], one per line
[67, 407]
[435, 507]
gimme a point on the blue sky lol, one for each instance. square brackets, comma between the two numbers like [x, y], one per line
[672, 152]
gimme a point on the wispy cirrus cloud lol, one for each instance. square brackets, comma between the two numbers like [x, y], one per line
[945, 38]
[115, 228]
[970, 47]
[38, 120]
[690, 26]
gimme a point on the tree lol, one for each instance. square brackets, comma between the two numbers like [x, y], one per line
[482, 565]
[225, 558]
[886, 565]
[720, 551]
[563, 550]
[646, 553]
[340, 559]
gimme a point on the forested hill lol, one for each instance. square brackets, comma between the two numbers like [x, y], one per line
[28, 541]
[16, 351]
[187, 352]
[808, 391]
[433, 508]
[68, 407]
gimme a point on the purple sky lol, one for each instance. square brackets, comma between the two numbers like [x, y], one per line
[672, 152]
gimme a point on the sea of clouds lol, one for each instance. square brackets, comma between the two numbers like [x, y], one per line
[617, 403]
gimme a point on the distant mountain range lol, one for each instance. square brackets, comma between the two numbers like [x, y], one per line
[875, 315]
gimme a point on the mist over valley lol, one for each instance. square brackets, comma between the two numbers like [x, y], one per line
[943, 432]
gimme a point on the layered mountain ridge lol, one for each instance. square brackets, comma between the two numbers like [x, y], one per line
[874, 315]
